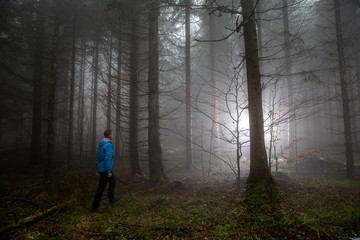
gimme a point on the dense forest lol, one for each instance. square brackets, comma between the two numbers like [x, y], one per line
[246, 100]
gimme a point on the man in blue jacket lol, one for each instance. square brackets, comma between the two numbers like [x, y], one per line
[104, 163]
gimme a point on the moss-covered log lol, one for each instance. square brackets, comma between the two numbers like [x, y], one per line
[33, 218]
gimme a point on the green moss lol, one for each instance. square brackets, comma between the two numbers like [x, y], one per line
[284, 210]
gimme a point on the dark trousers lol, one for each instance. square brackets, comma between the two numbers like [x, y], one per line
[103, 180]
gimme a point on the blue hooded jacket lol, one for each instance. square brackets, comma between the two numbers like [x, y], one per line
[104, 156]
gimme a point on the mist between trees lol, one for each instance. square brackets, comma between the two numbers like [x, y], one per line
[236, 87]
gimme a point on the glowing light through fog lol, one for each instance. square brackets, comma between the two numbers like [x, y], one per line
[243, 123]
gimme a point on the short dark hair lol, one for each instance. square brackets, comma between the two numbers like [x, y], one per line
[107, 133]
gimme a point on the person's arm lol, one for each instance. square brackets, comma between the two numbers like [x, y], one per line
[109, 152]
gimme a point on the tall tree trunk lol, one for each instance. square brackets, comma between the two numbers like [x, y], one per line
[72, 90]
[358, 117]
[81, 102]
[35, 150]
[134, 93]
[188, 100]
[288, 69]
[94, 99]
[237, 130]
[108, 109]
[353, 114]
[259, 10]
[51, 102]
[259, 170]
[329, 121]
[63, 106]
[1, 118]
[118, 101]
[155, 154]
[350, 169]
[215, 128]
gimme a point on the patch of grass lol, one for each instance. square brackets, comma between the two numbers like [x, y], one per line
[289, 210]
[326, 208]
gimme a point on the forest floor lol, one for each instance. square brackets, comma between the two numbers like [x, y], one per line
[310, 206]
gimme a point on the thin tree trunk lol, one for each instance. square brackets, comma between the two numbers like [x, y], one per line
[51, 103]
[259, 169]
[155, 154]
[358, 117]
[63, 108]
[238, 144]
[89, 133]
[272, 122]
[72, 90]
[81, 103]
[288, 69]
[1, 118]
[215, 128]
[108, 112]
[188, 100]
[353, 114]
[118, 102]
[350, 169]
[35, 150]
[259, 10]
[134, 94]
[94, 100]
[329, 113]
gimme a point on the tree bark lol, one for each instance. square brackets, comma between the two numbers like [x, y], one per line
[35, 149]
[51, 102]
[350, 169]
[259, 10]
[108, 109]
[155, 154]
[134, 93]
[259, 170]
[288, 69]
[118, 101]
[188, 100]
[358, 121]
[72, 90]
[81, 103]
[94, 99]
[215, 128]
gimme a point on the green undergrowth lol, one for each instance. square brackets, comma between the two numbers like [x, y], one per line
[301, 209]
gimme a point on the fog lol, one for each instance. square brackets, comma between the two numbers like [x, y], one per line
[71, 69]
[202, 119]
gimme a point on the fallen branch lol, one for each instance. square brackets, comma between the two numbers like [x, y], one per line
[34, 218]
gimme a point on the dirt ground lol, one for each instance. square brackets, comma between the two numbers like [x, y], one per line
[313, 200]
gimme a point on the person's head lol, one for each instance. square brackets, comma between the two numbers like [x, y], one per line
[108, 134]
